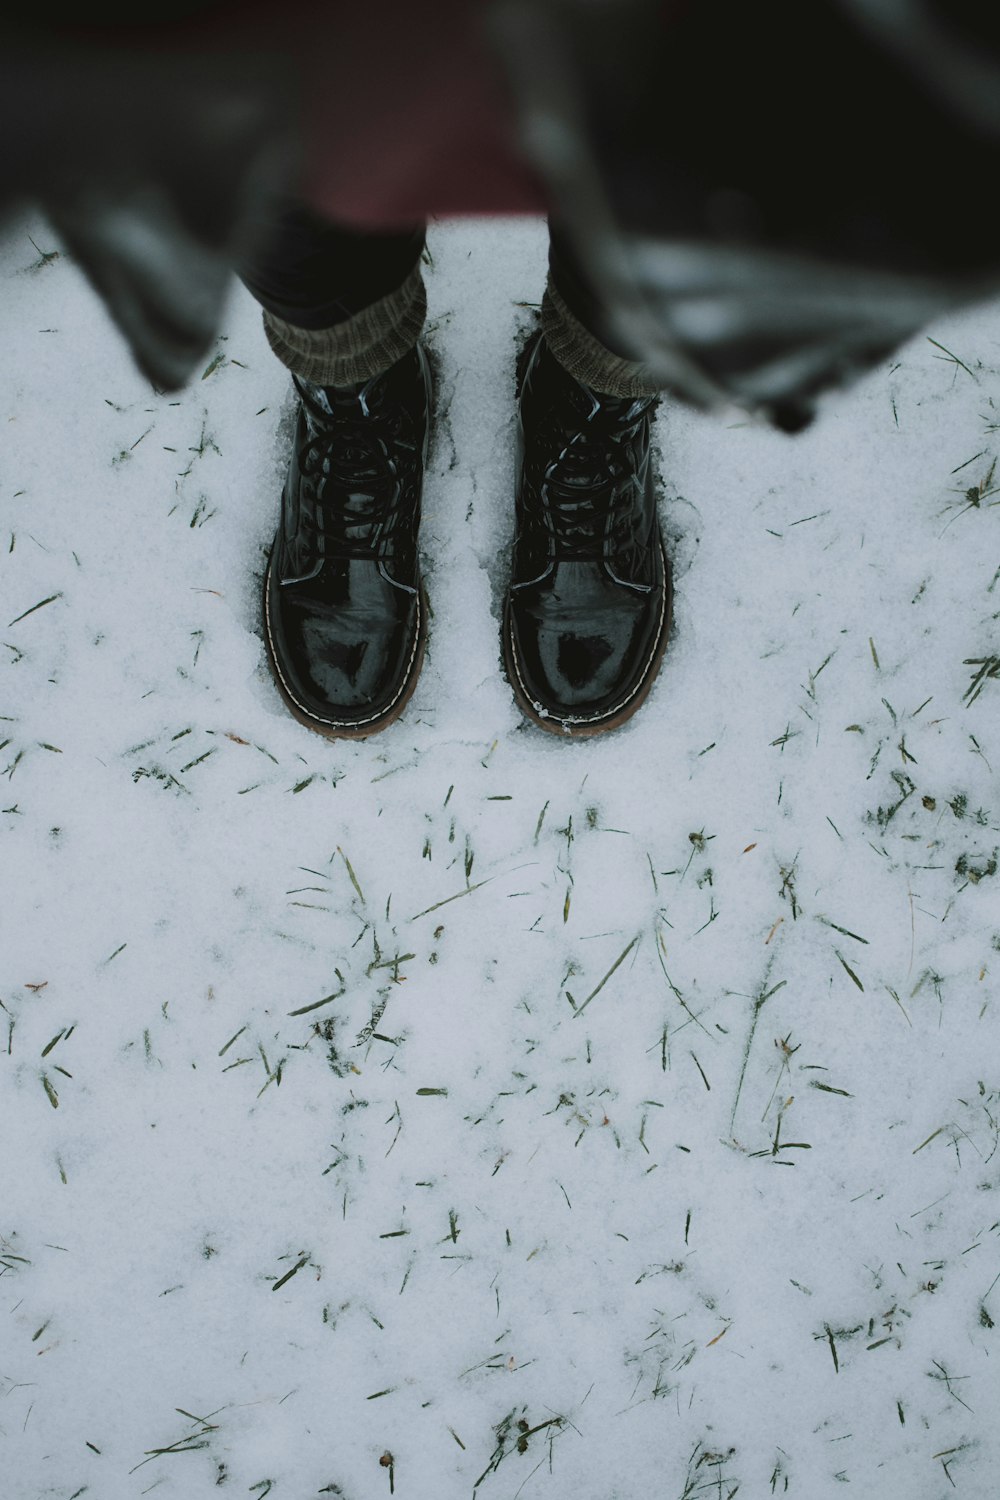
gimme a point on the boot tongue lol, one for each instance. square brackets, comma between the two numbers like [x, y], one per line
[328, 399]
[325, 401]
[352, 477]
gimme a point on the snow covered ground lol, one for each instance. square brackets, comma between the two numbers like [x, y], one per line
[465, 1112]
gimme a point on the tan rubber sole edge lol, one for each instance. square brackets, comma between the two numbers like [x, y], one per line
[332, 731]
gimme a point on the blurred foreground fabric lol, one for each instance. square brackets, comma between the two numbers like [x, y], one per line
[764, 200]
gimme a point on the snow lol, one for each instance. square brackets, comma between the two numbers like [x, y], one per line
[363, 1101]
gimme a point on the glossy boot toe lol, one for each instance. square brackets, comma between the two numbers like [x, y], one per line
[582, 653]
[346, 668]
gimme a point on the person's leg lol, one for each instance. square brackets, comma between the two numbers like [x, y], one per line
[587, 614]
[344, 611]
[340, 305]
[575, 328]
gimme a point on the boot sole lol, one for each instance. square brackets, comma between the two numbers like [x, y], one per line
[570, 729]
[335, 731]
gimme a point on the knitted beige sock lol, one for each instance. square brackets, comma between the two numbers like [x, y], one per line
[586, 358]
[360, 347]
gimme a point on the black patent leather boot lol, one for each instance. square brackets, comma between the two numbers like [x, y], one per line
[587, 614]
[345, 614]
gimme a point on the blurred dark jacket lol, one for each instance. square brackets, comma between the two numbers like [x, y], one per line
[764, 199]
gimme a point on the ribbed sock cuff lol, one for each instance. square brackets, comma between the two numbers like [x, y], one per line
[586, 358]
[361, 347]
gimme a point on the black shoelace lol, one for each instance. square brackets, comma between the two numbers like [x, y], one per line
[353, 457]
[586, 488]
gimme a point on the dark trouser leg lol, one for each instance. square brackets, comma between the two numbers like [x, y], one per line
[574, 326]
[340, 305]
